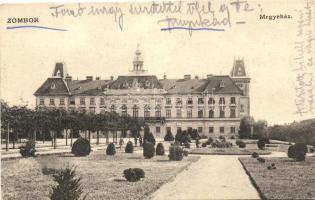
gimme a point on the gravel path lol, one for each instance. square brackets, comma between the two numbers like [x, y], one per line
[212, 177]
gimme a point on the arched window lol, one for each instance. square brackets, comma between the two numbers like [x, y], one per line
[158, 111]
[211, 113]
[211, 101]
[112, 108]
[146, 111]
[124, 111]
[135, 111]
[222, 101]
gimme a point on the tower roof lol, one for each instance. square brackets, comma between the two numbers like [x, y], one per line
[238, 69]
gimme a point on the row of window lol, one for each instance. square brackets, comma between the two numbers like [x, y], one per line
[222, 129]
[71, 101]
[168, 101]
[146, 114]
[200, 101]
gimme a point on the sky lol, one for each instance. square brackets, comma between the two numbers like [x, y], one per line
[97, 46]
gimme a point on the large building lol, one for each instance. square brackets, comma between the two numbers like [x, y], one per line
[213, 105]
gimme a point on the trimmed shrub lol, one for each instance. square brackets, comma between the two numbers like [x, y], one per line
[297, 151]
[140, 173]
[241, 144]
[237, 142]
[111, 149]
[148, 136]
[221, 137]
[261, 144]
[209, 141]
[133, 174]
[185, 152]
[28, 149]
[148, 150]
[179, 135]
[193, 134]
[260, 159]
[169, 136]
[160, 149]
[255, 155]
[203, 137]
[69, 187]
[204, 144]
[221, 144]
[129, 147]
[187, 145]
[81, 147]
[175, 153]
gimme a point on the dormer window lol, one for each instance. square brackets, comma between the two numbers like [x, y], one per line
[53, 86]
[222, 84]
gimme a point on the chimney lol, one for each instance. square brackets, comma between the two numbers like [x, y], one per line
[209, 76]
[196, 77]
[187, 76]
[97, 78]
[89, 78]
[111, 77]
[68, 78]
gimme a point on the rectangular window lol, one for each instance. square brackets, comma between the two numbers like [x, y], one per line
[200, 100]
[102, 101]
[189, 113]
[178, 101]
[189, 100]
[232, 113]
[92, 101]
[72, 101]
[232, 129]
[41, 101]
[51, 101]
[82, 101]
[221, 129]
[168, 114]
[147, 114]
[242, 107]
[178, 113]
[222, 114]
[62, 101]
[232, 100]
[200, 113]
[92, 110]
[168, 101]
[168, 129]
[211, 129]
[157, 129]
[199, 129]
[211, 113]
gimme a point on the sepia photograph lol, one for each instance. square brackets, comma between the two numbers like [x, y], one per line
[157, 100]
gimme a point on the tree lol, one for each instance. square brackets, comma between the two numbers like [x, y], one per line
[245, 127]
[169, 136]
[260, 129]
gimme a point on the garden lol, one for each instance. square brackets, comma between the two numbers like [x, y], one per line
[101, 175]
[283, 178]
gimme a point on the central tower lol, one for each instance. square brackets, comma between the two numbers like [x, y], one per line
[138, 64]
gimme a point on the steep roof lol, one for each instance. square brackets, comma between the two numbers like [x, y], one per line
[53, 86]
[191, 86]
[146, 82]
[88, 87]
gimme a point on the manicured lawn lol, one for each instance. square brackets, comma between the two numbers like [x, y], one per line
[227, 151]
[101, 175]
[291, 180]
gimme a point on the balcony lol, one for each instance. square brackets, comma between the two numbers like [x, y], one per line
[153, 119]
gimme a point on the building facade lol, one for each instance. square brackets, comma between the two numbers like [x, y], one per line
[213, 105]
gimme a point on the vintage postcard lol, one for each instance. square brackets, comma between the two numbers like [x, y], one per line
[159, 100]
